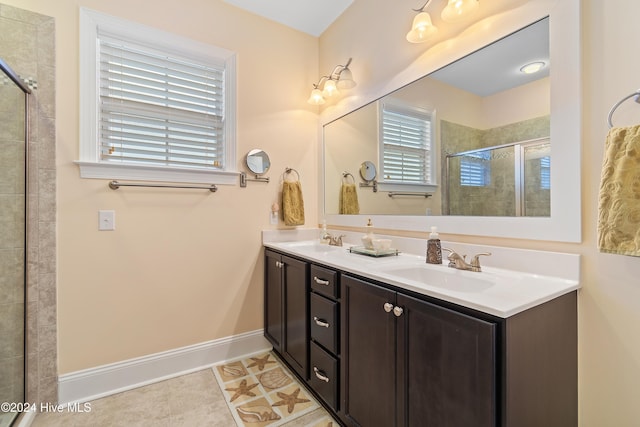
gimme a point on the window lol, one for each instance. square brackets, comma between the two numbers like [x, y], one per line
[545, 173]
[475, 169]
[154, 106]
[406, 149]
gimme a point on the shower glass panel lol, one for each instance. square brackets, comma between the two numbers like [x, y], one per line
[505, 180]
[12, 243]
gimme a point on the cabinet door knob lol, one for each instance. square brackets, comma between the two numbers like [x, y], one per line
[320, 281]
[320, 322]
[388, 307]
[279, 264]
[320, 375]
[398, 311]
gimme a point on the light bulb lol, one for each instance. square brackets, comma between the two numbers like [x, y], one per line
[316, 97]
[421, 29]
[456, 10]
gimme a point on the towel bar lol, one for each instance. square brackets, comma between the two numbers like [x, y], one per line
[396, 193]
[114, 185]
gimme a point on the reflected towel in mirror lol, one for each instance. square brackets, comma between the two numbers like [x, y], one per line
[619, 197]
[349, 200]
[292, 203]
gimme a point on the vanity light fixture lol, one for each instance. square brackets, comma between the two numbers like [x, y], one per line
[532, 67]
[457, 10]
[328, 86]
[422, 27]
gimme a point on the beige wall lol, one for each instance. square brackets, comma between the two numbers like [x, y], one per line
[182, 267]
[609, 301]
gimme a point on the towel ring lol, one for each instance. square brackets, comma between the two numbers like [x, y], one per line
[617, 104]
[287, 171]
[346, 175]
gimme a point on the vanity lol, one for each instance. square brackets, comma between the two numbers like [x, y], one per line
[394, 341]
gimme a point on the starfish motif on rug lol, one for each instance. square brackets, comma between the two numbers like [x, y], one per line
[260, 362]
[243, 389]
[290, 400]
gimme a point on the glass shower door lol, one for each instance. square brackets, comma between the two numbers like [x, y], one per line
[12, 245]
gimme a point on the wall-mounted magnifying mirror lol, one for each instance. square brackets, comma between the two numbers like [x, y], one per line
[368, 171]
[258, 162]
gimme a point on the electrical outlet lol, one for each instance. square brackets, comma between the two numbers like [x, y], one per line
[106, 220]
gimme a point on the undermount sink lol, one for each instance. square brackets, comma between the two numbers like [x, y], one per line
[454, 280]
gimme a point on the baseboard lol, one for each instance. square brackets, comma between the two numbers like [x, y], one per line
[93, 383]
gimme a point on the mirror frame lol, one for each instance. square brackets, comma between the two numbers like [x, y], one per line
[564, 224]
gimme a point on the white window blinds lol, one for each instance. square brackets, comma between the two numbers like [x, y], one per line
[407, 141]
[155, 109]
[475, 169]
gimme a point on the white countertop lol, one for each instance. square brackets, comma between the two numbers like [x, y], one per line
[497, 291]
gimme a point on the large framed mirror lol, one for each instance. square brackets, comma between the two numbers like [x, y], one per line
[494, 135]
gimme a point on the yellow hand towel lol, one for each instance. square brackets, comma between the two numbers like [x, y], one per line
[349, 200]
[619, 199]
[292, 203]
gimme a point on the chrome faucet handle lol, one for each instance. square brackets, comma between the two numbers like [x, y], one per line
[475, 262]
[336, 240]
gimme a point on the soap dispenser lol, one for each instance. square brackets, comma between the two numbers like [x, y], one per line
[367, 239]
[325, 237]
[434, 249]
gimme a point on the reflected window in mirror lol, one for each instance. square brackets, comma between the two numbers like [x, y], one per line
[406, 141]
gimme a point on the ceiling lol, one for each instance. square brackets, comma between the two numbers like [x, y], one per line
[309, 16]
[497, 67]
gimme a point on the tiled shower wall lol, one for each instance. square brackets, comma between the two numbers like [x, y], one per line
[27, 45]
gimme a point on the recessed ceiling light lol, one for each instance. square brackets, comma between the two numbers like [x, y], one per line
[532, 67]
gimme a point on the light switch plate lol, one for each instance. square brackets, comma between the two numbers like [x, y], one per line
[106, 220]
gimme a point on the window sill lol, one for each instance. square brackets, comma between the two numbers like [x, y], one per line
[152, 173]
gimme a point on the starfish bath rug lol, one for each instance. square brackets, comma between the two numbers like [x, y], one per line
[260, 391]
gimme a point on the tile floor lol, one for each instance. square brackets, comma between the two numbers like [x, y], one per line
[190, 400]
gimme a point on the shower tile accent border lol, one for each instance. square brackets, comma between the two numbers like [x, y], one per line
[30, 51]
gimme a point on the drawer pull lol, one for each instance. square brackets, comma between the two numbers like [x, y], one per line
[320, 322]
[388, 307]
[320, 375]
[320, 281]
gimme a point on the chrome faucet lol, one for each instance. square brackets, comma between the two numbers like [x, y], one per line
[335, 240]
[459, 262]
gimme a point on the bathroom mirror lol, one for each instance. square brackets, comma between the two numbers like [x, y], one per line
[560, 124]
[257, 161]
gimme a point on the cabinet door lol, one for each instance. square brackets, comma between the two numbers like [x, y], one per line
[296, 308]
[273, 316]
[368, 354]
[447, 367]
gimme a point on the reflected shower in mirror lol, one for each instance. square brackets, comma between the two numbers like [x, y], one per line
[489, 105]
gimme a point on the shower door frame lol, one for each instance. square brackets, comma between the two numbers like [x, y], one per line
[6, 69]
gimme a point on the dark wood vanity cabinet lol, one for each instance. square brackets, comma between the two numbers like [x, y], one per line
[379, 356]
[286, 309]
[407, 362]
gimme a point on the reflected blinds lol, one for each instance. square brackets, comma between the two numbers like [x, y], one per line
[406, 134]
[156, 109]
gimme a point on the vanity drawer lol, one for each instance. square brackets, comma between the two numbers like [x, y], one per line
[324, 375]
[324, 281]
[324, 322]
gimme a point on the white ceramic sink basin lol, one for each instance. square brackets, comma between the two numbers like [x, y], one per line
[311, 246]
[450, 279]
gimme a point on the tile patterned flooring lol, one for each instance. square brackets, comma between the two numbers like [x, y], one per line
[190, 400]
